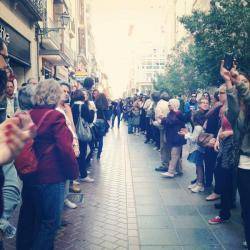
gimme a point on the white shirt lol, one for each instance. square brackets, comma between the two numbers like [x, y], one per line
[10, 110]
[244, 162]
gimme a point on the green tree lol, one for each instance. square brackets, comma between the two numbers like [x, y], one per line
[224, 29]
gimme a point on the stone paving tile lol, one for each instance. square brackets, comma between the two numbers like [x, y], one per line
[158, 237]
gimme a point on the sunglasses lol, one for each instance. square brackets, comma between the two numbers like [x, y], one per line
[221, 93]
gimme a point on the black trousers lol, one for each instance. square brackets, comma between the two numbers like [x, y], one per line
[210, 161]
[148, 129]
[82, 161]
[225, 186]
[244, 191]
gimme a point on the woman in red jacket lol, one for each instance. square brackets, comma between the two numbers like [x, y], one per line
[43, 194]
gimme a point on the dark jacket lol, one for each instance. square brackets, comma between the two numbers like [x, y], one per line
[239, 119]
[173, 123]
[59, 164]
[3, 107]
[213, 120]
[86, 114]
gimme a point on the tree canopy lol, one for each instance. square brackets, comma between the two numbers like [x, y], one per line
[224, 29]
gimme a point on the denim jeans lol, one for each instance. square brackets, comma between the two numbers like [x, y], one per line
[39, 217]
[100, 146]
[11, 194]
[118, 119]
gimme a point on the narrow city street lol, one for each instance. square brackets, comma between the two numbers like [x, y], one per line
[131, 207]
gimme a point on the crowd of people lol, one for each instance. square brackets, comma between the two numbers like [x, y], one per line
[49, 132]
[215, 127]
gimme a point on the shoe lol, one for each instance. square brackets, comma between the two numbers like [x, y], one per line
[155, 148]
[244, 244]
[198, 188]
[147, 141]
[178, 173]
[75, 188]
[69, 204]
[161, 169]
[87, 179]
[213, 197]
[9, 232]
[76, 182]
[193, 181]
[216, 220]
[192, 185]
[167, 175]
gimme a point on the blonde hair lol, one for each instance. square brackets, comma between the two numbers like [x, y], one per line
[47, 92]
[175, 104]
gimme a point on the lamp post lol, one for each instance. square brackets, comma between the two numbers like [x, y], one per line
[64, 19]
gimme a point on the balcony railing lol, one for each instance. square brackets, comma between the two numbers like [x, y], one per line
[36, 7]
[69, 53]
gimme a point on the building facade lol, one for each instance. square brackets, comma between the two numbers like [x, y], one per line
[175, 31]
[48, 39]
[18, 21]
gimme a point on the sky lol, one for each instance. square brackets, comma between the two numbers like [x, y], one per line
[121, 26]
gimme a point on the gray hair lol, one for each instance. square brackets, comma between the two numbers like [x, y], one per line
[25, 95]
[47, 92]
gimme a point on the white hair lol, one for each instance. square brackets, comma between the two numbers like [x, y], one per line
[47, 92]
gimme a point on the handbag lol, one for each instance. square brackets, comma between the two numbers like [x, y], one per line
[83, 130]
[26, 163]
[100, 127]
[204, 139]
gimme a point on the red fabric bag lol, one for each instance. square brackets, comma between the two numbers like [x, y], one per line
[26, 162]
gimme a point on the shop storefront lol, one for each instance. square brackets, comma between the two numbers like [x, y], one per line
[18, 48]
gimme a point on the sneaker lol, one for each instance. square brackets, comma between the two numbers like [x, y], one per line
[167, 175]
[9, 232]
[192, 185]
[161, 169]
[69, 204]
[76, 182]
[193, 181]
[75, 188]
[244, 244]
[216, 220]
[178, 173]
[87, 179]
[213, 197]
[198, 188]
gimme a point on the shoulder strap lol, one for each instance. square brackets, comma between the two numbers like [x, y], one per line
[43, 118]
[80, 114]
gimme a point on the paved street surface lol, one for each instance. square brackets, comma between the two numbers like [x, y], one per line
[131, 207]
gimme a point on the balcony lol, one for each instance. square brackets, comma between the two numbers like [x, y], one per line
[35, 8]
[52, 40]
[69, 54]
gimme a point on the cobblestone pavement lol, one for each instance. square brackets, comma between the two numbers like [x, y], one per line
[131, 207]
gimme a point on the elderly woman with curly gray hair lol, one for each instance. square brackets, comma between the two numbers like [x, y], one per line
[43, 194]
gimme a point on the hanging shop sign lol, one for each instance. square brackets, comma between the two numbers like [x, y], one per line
[18, 45]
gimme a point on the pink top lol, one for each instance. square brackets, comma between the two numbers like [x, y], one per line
[225, 124]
